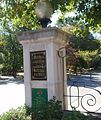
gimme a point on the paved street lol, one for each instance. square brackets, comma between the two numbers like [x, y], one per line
[11, 94]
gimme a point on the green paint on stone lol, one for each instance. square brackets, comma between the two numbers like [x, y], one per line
[39, 97]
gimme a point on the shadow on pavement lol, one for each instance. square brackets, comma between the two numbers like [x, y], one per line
[85, 80]
[7, 80]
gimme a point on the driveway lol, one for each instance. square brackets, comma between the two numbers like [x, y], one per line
[12, 93]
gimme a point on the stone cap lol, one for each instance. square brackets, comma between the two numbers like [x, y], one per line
[46, 34]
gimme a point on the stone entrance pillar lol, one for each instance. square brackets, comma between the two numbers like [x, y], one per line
[43, 68]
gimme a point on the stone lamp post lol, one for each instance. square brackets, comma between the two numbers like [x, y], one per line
[43, 68]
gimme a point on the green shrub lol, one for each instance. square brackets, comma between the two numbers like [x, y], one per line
[77, 115]
[49, 111]
[21, 113]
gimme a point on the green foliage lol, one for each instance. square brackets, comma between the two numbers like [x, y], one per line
[87, 13]
[90, 10]
[89, 59]
[19, 15]
[76, 115]
[1, 59]
[11, 54]
[21, 113]
[50, 111]
[61, 5]
[82, 39]
[22, 13]
[85, 60]
[87, 47]
[85, 44]
[81, 62]
[1, 51]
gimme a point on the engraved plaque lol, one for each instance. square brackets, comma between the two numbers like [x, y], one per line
[38, 65]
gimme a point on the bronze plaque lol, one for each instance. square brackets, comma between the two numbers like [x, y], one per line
[38, 65]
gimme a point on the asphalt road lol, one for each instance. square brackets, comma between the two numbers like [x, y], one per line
[11, 94]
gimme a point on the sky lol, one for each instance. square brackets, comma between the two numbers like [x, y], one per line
[56, 15]
[54, 18]
[97, 36]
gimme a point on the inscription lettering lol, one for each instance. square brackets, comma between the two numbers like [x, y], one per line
[38, 65]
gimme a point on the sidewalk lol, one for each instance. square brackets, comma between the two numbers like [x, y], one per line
[12, 93]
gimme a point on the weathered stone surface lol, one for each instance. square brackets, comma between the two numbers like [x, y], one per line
[54, 34]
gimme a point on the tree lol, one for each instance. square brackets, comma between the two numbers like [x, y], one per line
[19, 15]
[22, 12]
[90, 12]
[10, 51]
[12, 54]
[81, 38]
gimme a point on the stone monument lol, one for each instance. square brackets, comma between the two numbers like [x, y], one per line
[43, 68]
